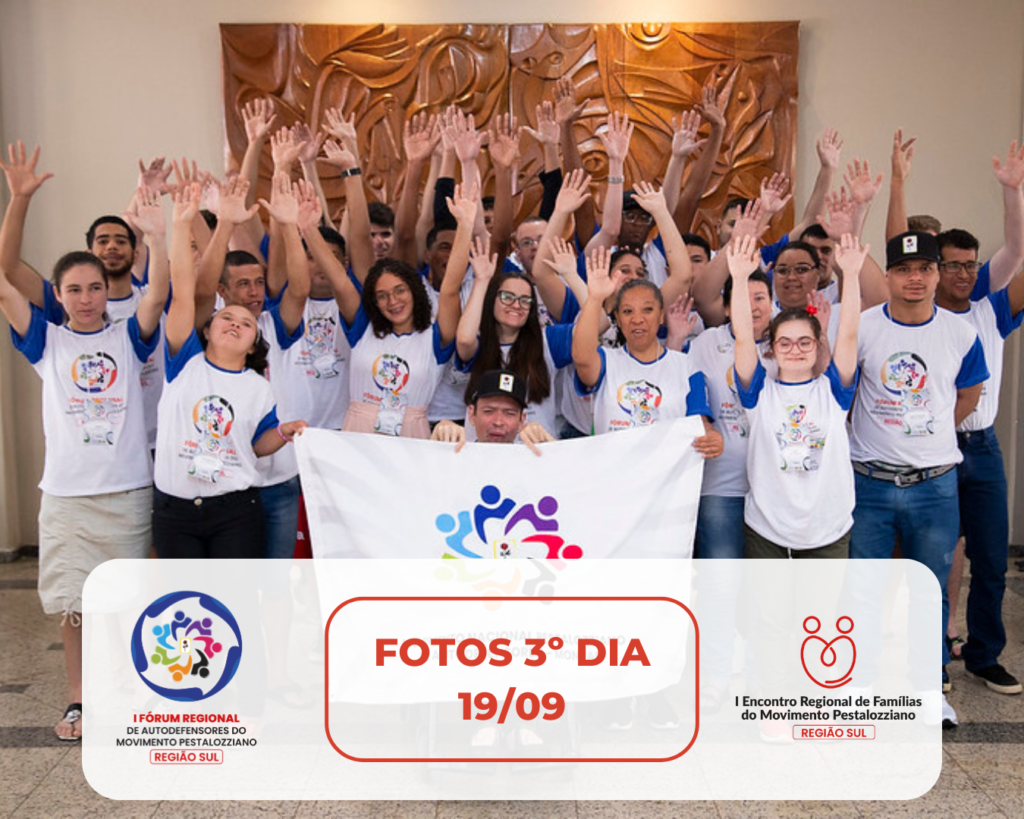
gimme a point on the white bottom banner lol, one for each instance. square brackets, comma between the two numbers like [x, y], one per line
[512, 679]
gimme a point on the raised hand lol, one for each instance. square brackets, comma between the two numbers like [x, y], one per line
[482, 264]
[680, 319]
[147, 215]
[575, 191]
[21, 172]
[650, 198]
[773, 193]
[309, 145]
[341, 128]
[231, 202]
[445, 124]
[752, 221]
[902, 153]
[563, 259]
[283, 206]
[546, 132]
[566, 107]
[858, 180]
[1010, 175]
[310, 208]
[841, 215]
[684, 134]
[284, 150]
[504, 141]
[185, 174]
[463, 206]
[338, 156]
[743, 258]
[154, 175]
[600, 284]
[259, 117]
[829, 147]
[186, 203]
[820, 307]
[466, 140]
[850, 255]
[420, 137]
[712, 109]
[615, 138]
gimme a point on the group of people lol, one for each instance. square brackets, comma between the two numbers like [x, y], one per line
[847, 410]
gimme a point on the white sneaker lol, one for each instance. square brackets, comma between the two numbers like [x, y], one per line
[948, 715]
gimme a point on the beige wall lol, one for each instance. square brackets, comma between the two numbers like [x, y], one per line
[103, 82]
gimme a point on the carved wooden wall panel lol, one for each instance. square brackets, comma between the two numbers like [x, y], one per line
[653, 71]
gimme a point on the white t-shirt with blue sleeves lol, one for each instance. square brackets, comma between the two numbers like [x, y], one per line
[209, 419]
[93, 416]
[993, 319]
[631, 393]
[798, 459]
[909, 377]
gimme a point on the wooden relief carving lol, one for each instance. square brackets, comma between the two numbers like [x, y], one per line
[653, 71]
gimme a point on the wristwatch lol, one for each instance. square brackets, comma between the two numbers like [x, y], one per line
[351, 172]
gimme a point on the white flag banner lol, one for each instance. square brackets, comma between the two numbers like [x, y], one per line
[628, 494]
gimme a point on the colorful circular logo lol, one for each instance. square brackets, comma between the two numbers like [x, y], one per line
[213, 416]
[390, 372]
[186, 646]
[94, 372]
[904, 372]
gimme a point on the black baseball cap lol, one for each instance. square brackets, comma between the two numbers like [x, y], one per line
[913, 244]
[500, 382]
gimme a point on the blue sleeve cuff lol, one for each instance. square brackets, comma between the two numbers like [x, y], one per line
[284, 338]
[269, 422]
[32, 344]
[769, 253]
[973, 369]
[53, 310]
[1006, 321]
[359, 324]
[581, 388]
[697, 398]
[560, 344]
[842, 394]
[983, 283]
[442, 352]
[265, 246]
[174, 364]
[570, 307]
[748, 395]
[143, 349]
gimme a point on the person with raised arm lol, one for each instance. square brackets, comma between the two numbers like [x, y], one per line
[713, 110]
[567, 110]
[97, 474]
[641, 382]
[217, 417]
[500, 330]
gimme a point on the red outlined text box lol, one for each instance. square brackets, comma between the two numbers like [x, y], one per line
[670, 600]
[868, 729]
[201, 757]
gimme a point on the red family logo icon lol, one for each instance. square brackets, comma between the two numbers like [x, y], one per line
[823, 660]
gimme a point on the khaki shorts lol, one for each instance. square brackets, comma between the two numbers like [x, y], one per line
[78, 534]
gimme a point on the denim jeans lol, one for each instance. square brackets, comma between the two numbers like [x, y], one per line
[927, 518]
[281, 517]
[222, 526]
[984, 518]
[718, 582]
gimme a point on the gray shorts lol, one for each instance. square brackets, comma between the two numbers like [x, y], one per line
[77, 534]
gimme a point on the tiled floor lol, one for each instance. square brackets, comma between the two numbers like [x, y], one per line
[982, 775]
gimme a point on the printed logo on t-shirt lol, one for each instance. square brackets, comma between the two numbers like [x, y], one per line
[95, 373]
[801, 441]
[322, 356]
[640, 401]
[905, 376]
[390, 375]
[730, 413]
[212, 451]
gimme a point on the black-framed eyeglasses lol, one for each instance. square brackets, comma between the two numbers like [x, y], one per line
[508, 298]
[956, 267]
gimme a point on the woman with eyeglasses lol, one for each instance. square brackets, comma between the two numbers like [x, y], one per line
[801, 497]
[398, 353]
[500, 330]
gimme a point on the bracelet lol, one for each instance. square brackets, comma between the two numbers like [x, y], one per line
[616, 180]
[278, 428]
[351, 172]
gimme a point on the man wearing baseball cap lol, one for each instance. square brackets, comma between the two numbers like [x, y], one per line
[497, 413]
[922, 371]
